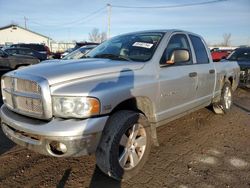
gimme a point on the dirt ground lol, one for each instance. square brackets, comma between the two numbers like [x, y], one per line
[199, 150]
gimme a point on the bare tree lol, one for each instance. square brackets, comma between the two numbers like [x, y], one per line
[93, 36]
[226, 39]
[96, 36]
[103, 36]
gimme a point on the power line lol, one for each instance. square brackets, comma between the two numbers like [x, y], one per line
[170, 6]
[88, 16]
[70, 25]
[78, 21]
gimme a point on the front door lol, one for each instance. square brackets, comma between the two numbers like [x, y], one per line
[178, 82]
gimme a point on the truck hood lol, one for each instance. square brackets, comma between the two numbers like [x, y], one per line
[57, 72]
[50, 61]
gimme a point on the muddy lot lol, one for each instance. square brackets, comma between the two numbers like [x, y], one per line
[199, 150]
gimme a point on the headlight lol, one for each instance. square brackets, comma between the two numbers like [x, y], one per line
[78, 107]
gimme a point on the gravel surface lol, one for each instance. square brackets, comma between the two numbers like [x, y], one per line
[199, 150]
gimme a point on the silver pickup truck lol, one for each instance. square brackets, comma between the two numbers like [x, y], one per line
[111, 101]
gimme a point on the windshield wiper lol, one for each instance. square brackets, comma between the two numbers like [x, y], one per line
[113, 57]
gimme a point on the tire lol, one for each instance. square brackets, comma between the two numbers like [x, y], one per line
[124, 146]
[226, 100]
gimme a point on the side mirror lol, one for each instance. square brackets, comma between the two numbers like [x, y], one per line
[179, 56]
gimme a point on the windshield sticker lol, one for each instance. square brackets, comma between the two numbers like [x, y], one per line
[143, 45]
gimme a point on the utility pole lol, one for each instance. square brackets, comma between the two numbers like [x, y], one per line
[109, 17]
[25, 20]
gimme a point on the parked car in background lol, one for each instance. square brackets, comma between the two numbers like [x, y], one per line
[242, 56]
[218, 54]
[11, 62]
[66, 52]
[79, 53]
[78, 45]
[56, 55]
[37, 47]
[26, 51]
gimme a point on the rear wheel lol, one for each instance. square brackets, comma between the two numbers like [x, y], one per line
[226, 100]
[125, 145]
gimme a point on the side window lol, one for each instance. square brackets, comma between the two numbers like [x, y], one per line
[200, 50]
[30, 52]
[22, 52]
[26, 52]
[13, 52]
[177, 42]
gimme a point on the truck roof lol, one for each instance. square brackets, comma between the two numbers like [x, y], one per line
[162, 31]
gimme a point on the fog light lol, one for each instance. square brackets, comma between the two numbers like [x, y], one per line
[57, 148]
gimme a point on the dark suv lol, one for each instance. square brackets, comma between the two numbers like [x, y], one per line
[242, 56]
[37, 47]
[26, 51]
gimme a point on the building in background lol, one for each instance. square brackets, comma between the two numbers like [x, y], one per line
[13, 34]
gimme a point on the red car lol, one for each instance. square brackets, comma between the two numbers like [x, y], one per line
[218, 55]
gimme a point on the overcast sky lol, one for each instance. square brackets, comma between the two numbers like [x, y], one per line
[67, 20]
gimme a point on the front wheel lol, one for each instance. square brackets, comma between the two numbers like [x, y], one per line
[226, 100]
[125, 145]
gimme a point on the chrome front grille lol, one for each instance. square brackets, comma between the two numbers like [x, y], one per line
[8, 82]
[8, 98]
[27, 86]
[23, 96]
[29, 104]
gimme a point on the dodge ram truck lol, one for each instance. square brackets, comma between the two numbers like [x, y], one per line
[111, 102]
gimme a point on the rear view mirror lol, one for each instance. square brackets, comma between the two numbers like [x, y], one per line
[179, 56]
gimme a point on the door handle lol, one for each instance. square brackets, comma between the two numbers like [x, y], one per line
[211, 71]
[192, 74]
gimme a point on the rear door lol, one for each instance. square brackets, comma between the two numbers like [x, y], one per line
[178, 81]
[205, 71]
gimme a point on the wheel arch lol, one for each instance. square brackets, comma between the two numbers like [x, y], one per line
[139, 104]
[224, 78]
[227, 78]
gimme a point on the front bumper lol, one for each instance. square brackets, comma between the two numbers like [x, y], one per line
[80, 137]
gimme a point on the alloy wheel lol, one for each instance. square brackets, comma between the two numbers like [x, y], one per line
[132, 146]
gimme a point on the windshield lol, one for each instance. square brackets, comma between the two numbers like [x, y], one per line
[3, 53]
[131, 47]
[240, 55]
[78, 54]
[10, 51]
